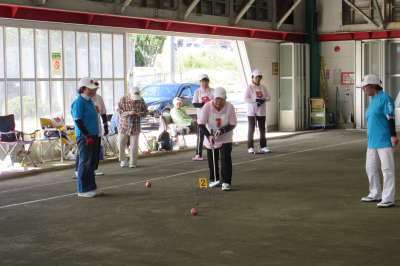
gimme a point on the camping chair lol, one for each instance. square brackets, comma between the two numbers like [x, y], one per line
[106, 139]
[166, 120]
[56, 125]
[13, 138]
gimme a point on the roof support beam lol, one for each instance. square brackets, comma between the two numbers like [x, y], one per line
[361, 13]
[40, 2]
[243, 10]
[379, 13]
[125, 5]
[190, 8]
[280, 22]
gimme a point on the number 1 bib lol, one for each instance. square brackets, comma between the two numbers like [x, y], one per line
[217, 121]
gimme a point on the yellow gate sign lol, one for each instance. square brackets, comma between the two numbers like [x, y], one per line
[203, 182]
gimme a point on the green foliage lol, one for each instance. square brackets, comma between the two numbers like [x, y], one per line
[220, 65]
[149, 46]
[29, 106]
[139, 60]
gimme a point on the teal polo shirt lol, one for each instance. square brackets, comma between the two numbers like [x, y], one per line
[85, 110]
[377, 124]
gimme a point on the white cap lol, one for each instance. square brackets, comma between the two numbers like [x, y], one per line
[97, 83]
[135, 93]
[220, 93]
[256, 73]
[88, 82]
[203, 76]
[177, 100]
[370, 79]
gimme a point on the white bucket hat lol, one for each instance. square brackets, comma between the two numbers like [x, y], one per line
[88, 82]
[256, 73]
[135, 93]
[220, 93]
[370, 79]
[203, 76]
[177, 100]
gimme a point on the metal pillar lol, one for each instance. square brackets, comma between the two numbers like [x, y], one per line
[312, 39]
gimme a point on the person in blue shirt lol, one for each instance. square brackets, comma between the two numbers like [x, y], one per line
[382, 139]
[86, 123]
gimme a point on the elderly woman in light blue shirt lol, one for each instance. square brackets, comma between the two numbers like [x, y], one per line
[382, 139]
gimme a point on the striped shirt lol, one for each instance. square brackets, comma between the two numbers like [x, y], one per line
[130, 124]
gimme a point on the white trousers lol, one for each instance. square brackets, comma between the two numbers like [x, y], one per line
[385, 155]
[134, 148]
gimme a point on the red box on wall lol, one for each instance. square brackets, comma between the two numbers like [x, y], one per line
[347, 78]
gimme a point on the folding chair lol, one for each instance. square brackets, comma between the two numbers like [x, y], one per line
[13, 138]
[166, 120]
[106, 141]
[52, 140]
[144, 132]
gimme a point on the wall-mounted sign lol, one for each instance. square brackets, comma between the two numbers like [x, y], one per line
[327, 74]
[56, 66]
[275, 68]
[347, 78]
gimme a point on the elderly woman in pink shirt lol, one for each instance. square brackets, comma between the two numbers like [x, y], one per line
[256, 95]
[219, 116]
[201, 96]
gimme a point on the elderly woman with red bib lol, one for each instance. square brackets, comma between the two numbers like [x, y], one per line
[201, 96]
[256, 95]
[218, 116]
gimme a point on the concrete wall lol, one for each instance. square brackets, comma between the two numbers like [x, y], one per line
[343, 60]
[261, 56]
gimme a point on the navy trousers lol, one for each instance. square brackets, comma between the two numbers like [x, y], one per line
[87, 164]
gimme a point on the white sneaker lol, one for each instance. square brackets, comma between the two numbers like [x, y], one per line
[98, 173]
[251, 150]
[98, 192]
[385, 204]
[265, 149]
[132, 166]
[89, 194]
[225, 187]
[124, 163]
[214, 184]
[197, 156]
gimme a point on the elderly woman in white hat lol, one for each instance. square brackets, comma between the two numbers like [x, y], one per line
[256, 95]
[382, 139]
[86, 123]
[218, 116]
[201, 96]
[131, 108]
[180, 117]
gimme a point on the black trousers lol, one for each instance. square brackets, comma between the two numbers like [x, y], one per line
[250, 134]
[97, 156]
[200, 140]
[226, 163]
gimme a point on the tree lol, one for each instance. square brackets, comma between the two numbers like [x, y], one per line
[149, 46]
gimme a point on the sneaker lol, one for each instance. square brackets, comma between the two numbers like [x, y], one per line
[214, 184]
[251, 150]
[98, 192]
[98, 173]
[75, 176]
[225, 187]
[265, 149]
[124, 163]
[369, 199]
[198, 156]
[385, 204]
[89, 194]
[132, 166]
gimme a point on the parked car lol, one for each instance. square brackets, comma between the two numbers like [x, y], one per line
[159, 98]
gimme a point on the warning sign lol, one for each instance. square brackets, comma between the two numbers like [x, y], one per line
[56, 64]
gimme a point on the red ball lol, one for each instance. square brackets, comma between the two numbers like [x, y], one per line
[193, 211]
[148, 184]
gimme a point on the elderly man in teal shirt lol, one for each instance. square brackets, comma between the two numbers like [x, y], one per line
[180, 117]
